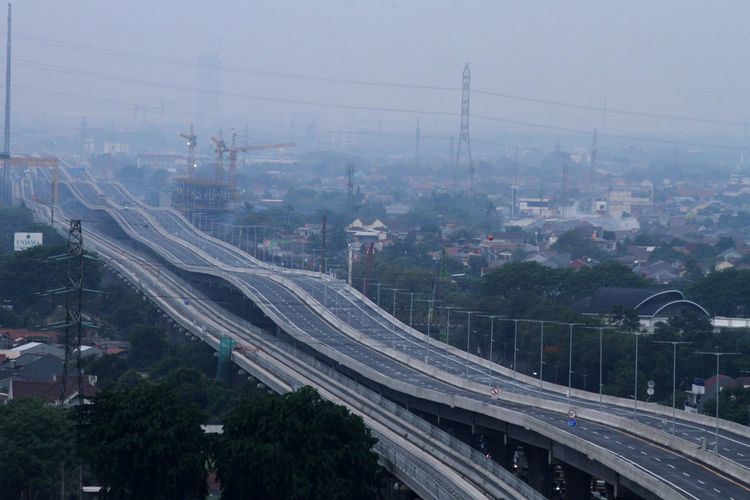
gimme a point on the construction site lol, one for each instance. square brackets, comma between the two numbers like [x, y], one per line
[217, 194]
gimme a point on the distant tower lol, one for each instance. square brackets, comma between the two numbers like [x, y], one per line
[6, 191]
[350, 191]
[592, 172]
[416, 145]
[564, 200]
[464, 141]
[514, 191]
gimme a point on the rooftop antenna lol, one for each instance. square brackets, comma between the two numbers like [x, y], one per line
[6, 148]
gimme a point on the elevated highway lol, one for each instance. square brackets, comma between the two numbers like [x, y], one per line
[431, 462]
[337, 322]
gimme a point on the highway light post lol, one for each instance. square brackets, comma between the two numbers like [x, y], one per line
[674, 343]
[379, 284]
[430, 305]
[570, 356]
[541, 348]
[718, 356]
[468, 337]
[448, 332]
[411, 306]
[601, 358]
[635, 378]
[492, 339]
[393, 314]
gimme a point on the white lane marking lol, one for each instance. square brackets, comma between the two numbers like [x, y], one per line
[717, 491]
[657, 459]
[672, 466]
[701, 481]
[686, 474]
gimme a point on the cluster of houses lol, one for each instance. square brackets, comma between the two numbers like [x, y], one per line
[32, 365]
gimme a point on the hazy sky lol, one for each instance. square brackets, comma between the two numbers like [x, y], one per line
[667, 57]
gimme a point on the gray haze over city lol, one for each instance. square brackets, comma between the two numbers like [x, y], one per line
[287, 64]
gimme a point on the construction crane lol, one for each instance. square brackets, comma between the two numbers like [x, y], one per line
[192, 141]
[37, 162]
[234, 150]
[221, 148]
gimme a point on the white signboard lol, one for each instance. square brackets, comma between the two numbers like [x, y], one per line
[23, 241]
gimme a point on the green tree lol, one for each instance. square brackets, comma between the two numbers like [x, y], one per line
[725, 293]
[295, 446]
[36, 448]
[147, 345]
[145, 443]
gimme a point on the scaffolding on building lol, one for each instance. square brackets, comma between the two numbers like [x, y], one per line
[193, 195]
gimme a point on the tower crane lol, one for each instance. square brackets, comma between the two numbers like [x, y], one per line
[233, 149]
[221, 148]
[192, 142]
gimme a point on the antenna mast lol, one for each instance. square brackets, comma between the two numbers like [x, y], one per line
[6, 194]
[464, 141]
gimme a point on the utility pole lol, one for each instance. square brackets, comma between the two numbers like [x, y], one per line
[464, 140]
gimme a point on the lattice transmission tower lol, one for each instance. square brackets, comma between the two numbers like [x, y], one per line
[463, 153]
[73, 306]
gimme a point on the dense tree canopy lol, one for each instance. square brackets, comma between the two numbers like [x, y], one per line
[36, 449]
[724, 293]
[145, 443]
[295, 446]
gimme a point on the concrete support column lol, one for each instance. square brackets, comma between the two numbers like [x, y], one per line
[540, 470]
[577, 483]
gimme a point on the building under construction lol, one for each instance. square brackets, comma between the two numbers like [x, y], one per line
[192, 195]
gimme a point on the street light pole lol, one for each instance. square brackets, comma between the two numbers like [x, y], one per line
[674, 343]
[635, 378]
[468, 337]
[430, 305]
[601, 382]
[570, 357]
[393, 324]
[448, 332]
[492, 340]
[718, 355]
[411, 306]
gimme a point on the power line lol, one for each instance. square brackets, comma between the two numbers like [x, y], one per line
[356, 107]
[620, 111]
[366, 83]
